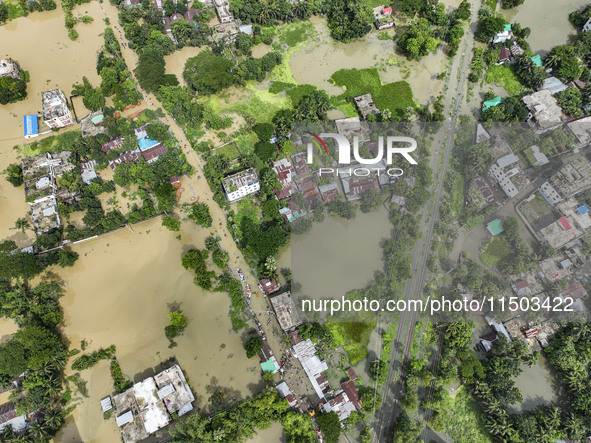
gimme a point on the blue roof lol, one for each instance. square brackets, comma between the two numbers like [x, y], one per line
[146, 143]
[30, 125]
[583, 209]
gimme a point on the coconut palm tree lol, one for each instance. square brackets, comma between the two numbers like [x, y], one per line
[21, 224]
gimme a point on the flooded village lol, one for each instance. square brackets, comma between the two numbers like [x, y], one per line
[197, 204]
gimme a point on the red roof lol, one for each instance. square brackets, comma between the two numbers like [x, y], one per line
[351, 391]
[269, 286]
[116, 143]
[352, 374]
[521, 284]
[504, 54]
[154, 152]
[387, 10]
[565, 223]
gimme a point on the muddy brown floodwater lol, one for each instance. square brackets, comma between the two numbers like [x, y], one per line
[547, 19]
[316, 63]
[175, 62]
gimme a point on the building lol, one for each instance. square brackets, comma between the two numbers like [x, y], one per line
[539, 156]
[482, 194]
[587, 26]
[581, 129]
[553, 84]
[284, 171]
[573, 177]
[353, 126]
[504, 56]
[147, 406]
[351, 390]
[577, 212]
[366, 106]
[383, 17]
[559, 233]
[286, 393]
[8, 417]
[92, 124]
[544, 112]
[268, 286]
[286, 311]
[482, 134]
[154, 153]
[329, 192]
[575, 291]
[30, 126]
[241, 184]
[116, 143]
[503, 36]
[498, 327]
[341, 405]
[492, 103]
[56, 113]
[9, 68]
[504, 179]
[495, 227]
[307, 186]
[516, 50]
[537, 60]
[293, 211]
[550, 194]
[222, 7]
[125, 157]
[87, 171]
[305, 351]
[300, 163]
[175, 181]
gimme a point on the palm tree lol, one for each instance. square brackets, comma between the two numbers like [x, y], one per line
[54, 418]
[271, 268]
[21, 224]
[552, 60]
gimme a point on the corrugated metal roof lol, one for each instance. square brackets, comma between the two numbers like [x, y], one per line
[166, 390]
[30, 125]
[124, 419]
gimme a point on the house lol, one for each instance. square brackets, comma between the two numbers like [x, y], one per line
[245, 29]
[554, 85]
[544, 112]
[366, 106]
[329, 192]
[577, 212]
[286, 393]
[353, 394]
[286, 311]
[305, 352]
[482, 193]
[116, 143]
[516, 50]
[573, 177]
[87, 171]
[92, 124]
[352, 126]
[241, 184]
[559, 233]
[56, 113]
[284, 171]
[352, 375]
[504, 55]
[292, 212]
[498, 327]
[495, 227]
[9, 68]
[174, 390]
[30, 126]
[504, 179]
[8, 417]
[574, 293]
[581, 129]
[154, 153]
[492, 103]
[503, 36]
[539, 156]
[300, 163]
[126, 157]
[341, 405]
[482, 134]
[587, 26]
[520, 287]
[537, 60]
[550, 194]
[309, 189]
[175, 181]
[382, 17]
[269, 286]
[222, 7]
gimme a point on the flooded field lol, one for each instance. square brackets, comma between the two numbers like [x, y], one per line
[536, 385]
[316, 63]
[145, 280]
[339, 255]
[175, 62]
[548, 21]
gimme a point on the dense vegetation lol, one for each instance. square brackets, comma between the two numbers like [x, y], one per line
[89, 360]
[12, 90]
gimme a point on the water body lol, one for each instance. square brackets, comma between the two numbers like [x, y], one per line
[548, 21]
[175, 62]
[316, 63]
[339, 255]
[536, 385]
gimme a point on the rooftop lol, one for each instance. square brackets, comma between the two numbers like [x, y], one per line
[495, 227]
[366, 105]
[286, 311]
[173, 389]
[573, 177]
[54, 104]
[240, 180]
[544, 109]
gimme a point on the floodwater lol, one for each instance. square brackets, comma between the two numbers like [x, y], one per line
[146, 280]
[337, 255]
[548, 21]
[273, 434]
[316, 63]
[175, 62]
[536, 385]
[259, 50]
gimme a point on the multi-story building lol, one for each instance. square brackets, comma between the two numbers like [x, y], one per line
[9, 68]
[241, 184]
[56, 113]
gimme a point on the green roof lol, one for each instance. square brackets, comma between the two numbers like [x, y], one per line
[268, 366]
[492, 102]
[97, 118]
[507, 27]
[537, 59]
[495, 227]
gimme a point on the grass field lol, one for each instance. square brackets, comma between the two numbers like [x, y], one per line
[353, 336]
[503, 76]
[229, 151]
[395, 96]
[495, 251]
[53, 143]
[260, 105]
[464, 421]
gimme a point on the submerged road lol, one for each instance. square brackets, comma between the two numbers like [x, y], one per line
[442, 145]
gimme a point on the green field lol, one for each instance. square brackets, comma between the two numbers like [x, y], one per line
[395, 96]
[54, 143]
[464, 421]
[502, 75]
[495, 251]
[353, 337]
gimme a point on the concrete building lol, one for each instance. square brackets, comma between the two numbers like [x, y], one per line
[581, 129]
[286, 393]
[572, 178]
[92, 124]
[587, 26]
[550, 194]
[87, 171]
[9, 68]
[222, 7]
[341, 404]
[559, 233]
[482, 193]
[241, 184]
[504, 180]
[382, 16]
[286, 311]
[174, 390]
[56, 113]
[544, 112]
[540, 157]
[366, 105]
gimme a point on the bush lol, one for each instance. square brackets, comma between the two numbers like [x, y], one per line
[253, 346]
[172, 223]
[89, 360]
[120, 382]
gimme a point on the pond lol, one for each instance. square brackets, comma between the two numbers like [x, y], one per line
[536, 385]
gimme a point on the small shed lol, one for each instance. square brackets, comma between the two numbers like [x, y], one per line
[30, 126]
[495, 227]
[124, 418]
[537, 60]
[106, 404]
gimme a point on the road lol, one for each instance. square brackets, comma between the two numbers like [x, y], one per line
[442, 144]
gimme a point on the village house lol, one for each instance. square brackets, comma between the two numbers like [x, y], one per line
[305, 352]
[56, 113]
[329, 192]
[366, 106]
[286, 311]
[574, 293]
[126, 157]
[587, 26]
[573, 177]
[147, 406]
[9, 68]
[503, 36]
[556, 267]
[528, 284]
[341, 404]
[544, 112]
[383, 17]
[581, 129]
[554, 85]
[269, 286]
[516, 50]
[309, 190]
[482, 134]
[353, 126]
[519, 330]
[560, 232]
[9, 417]
[87, 171]
[284, 171]
[286, 393]
[293, 211]
[300, 163]
[538, 155]
[504, 56]
[482, 194]
[222, 7]
[495, 227]
[508, 174]
[92, 124]
[241, 184]
[116, 143]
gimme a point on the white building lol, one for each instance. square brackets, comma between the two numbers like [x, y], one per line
[587, 26]
[56, 113]
[241, 184]
[550, 194]
[504, 179]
